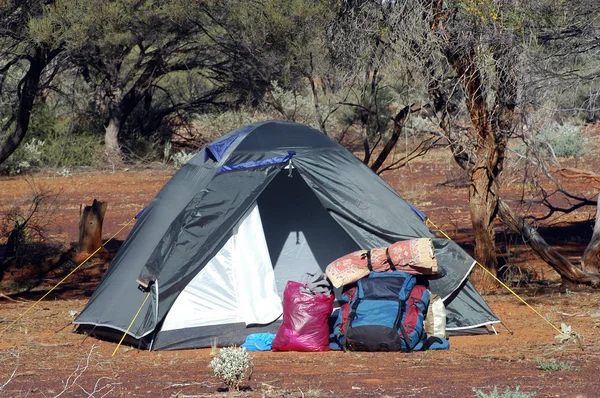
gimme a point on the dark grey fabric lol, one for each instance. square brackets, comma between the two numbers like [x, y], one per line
[206, 336]
[316, 283]
[117, 297]
[370, 211]
[341, 206]
[456, 263]
[466, 308]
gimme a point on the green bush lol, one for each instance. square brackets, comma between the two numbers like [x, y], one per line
[506, 394]
[565, 140]
[296, 106]
[214, 124]
[66, 150]
[181, 158]
[54, 140]
[554, 366]
[27, 156]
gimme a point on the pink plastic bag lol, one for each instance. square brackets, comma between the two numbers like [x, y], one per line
[305, 326]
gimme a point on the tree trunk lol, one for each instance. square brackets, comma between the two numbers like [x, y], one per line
[567, 271]
[485, 167]
[29, 90]
[399, 120]
[318, 112]
[590, 260]
[90, 227]
[120, 106]
[111, 140]
[482, 206]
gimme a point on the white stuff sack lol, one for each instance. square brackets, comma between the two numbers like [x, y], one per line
[435, 322]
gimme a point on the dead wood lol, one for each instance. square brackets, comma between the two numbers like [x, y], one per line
[573, 173]
[567, 270]
[90, 226]
[591, 256]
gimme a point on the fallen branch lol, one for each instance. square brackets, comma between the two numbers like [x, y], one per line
[565, 314]
[573, 173]
[193, 383]
[19, 300]
[568, 271]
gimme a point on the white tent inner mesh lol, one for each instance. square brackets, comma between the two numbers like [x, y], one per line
[237, 285]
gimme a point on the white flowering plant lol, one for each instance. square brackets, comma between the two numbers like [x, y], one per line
[230, 365]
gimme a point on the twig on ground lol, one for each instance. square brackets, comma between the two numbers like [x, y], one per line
[15, 354]
[193, 383]
[565, 314]
[19, 300]
[73, 380]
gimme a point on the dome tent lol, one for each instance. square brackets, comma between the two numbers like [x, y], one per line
[262, 205]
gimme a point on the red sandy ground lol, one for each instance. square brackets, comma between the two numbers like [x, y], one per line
[40, 357]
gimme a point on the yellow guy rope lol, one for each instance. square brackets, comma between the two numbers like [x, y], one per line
[131, 324]
[500, 282]
[65, 278]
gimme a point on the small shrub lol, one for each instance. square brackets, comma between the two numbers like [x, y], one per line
[181, 158]
[71, 137]
[506, 394]
[25, 225]
[554, 366]
[293, 105]
[567, 335]
[65, 172]
[24, 158]
[212, 125]
[66, 149]
[564, 139]
[230, 365]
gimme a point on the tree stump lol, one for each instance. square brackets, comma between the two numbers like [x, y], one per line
[90, 227]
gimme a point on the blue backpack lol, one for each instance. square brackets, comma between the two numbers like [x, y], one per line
[384, 312]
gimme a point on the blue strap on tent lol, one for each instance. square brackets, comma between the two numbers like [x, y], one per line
[137, 216]
[216, 150]
[258, 163]
[419, 212]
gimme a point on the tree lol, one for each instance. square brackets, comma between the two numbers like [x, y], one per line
[277, 45]
[381, 90]
[465, 42]
[563, 78]
[473, 52]
[26, 66]
[468, 55]
[136, 54]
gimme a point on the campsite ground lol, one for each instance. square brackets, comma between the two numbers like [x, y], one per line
[40, 357]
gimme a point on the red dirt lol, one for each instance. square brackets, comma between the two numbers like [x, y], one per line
[40, 357]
